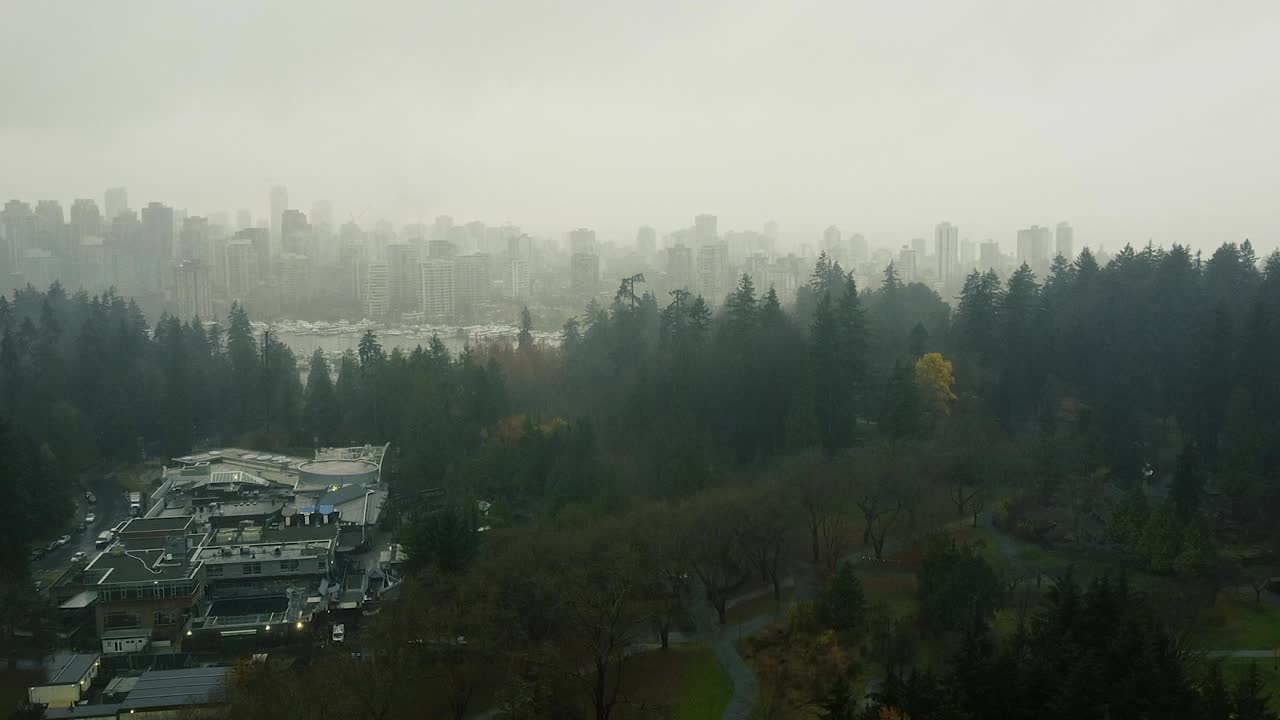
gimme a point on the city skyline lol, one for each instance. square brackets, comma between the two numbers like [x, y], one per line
[865, 116]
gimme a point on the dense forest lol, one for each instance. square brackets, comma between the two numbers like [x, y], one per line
[668, 452]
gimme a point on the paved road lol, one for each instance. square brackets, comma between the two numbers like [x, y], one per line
[108, 511]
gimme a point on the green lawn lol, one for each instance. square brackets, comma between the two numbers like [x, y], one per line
[687, 679]
[891, 586]
[1237, 623]
[1232, 668]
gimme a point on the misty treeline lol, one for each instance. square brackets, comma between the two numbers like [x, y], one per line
[669, 455]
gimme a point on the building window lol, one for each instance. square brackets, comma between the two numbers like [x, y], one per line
[288, 565]
[165, 617]
[213, 571]
[121, 620]
[253, 568]
[320, 565]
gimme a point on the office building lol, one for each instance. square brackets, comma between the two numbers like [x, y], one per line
[441, 250]
[582, 242]
[713, 272]
[51, 229]
[584, 273]
[946, 246]
[441, 227]
[242, 268]
[833, 245]
[191, 291]
[403, 275]
[86, 221]
[279, 203]
[907, 265]
[437, 290]
[296, 286]
[989, 257]
[295, 233]
[857, 249]
[39, 268]
[377, 297]
[157, 246]
[680, 267]
[516, 277]
[1033, 249]
[921, 246]
[646, 241]
[115, 202]
[1065, 241]
[472, 281]
[19, 234]
[705, 229]
[967, 255]
[193, 240]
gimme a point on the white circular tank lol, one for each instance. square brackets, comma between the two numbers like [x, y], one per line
[338, 472]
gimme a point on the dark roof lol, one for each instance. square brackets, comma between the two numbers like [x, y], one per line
[82, 711]
[122, 633]
[134, 566]
[71, 669]
[174, 688]
[156, 524]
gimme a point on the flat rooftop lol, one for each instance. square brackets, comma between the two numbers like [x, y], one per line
[156, 525]
[133, 566]
[174, 688]
[68, 669]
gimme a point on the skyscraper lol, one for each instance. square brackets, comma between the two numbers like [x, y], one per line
[51, 228]
[857, 250]
[472, 281]
[946, 242]
[582, 241]
[437, 290]
[515, 275]
[86, 221]
[376, 299]
[279, 203]
[713, 272]
[989, 257]
[646, 241]
[242, 269]
[584, 273]
[116, 201]
[680, 267]
[404, 274]
[705, 230]
[906, 265]
[191, 291]
[1065, 240]
[19, 234]
[833, 245]
[193, 240]
[1033, 249]
[157, 245]
[295, 233]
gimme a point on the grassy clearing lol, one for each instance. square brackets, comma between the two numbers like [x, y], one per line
[1238, 623]
[1233, 668]
[686, 679]
[138, 477]
[890, 586]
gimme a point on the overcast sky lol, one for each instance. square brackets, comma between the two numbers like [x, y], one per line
[1131, 119]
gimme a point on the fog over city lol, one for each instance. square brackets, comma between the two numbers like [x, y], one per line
[649, 360]
[1135, 120]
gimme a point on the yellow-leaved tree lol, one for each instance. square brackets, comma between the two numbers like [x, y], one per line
[934, 377]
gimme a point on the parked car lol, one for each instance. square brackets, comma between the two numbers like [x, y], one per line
[78, 557]
[36, 554]
[90, 497]
[339, 632]
[88, 519]
[64, 540]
